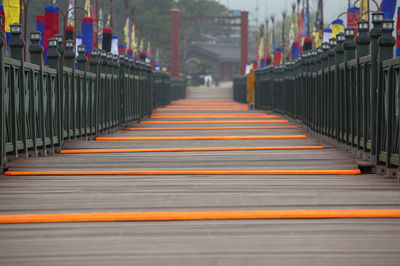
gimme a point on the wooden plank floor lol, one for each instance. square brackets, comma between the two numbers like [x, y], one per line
[223, 242]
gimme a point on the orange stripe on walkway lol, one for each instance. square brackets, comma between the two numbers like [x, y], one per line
[86, 151]
[198, 215]
[207, 107]
[188, 172]
[202, 109]
[201, 138]
[217, 122]
[211, 114]
[207, 128]
[208, 116]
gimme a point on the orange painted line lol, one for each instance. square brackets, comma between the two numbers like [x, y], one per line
[207, 116]
[202, 109]
[201, 138]
[217, 122]
[197, 215]
[190, 149]
[206, 107]
[188, 172]
[204, 99]
[211, 114]
[207, 128]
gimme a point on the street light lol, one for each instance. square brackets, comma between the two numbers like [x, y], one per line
[81, 49]
[52, 43]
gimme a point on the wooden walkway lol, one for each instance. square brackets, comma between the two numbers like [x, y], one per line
[146, 164]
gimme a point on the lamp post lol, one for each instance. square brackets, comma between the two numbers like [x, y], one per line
[81, 58]
[386, 94]
[331, 62]
[69, 54]
[349, 91]
[362, 42]
[338, 104]
[35, 49]
[283, 36]
[375, 33]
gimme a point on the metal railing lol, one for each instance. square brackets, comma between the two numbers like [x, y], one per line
[342, 92]
[72, 99]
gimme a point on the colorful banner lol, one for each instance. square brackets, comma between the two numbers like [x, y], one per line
[327, 35]
[11, 12]
[389, 7]
[107, 39]
[295, 50]
[71, 13]
[51, 27]
[364, 9]
[87, 34]
[397, 30]
[4, 17]
[337, 27]
[353, 16]
[277, 56]
[40, 27]
[114, 44]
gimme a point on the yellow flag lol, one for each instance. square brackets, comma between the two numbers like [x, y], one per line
[108, 21]
[11, 13]
[133, 39]
[149, 49]
[364, 8]
[141, 46]
[317, 37]
[337, 27]
[126, 33]
[261, 48]
[87, 8]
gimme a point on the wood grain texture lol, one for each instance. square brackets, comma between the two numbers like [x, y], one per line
[240, 242]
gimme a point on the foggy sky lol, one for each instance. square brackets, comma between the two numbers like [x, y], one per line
[332, 8]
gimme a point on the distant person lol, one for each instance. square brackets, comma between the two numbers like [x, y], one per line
[217, 79]
[207, 80]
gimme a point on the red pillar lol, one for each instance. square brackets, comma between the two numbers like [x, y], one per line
[244, 41]
[175, 42]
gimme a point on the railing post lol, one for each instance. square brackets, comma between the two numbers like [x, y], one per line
[122, 82]
[69, 89]
[377, 18]
[386, 98]
[363, 42]
[2, 103]
[94, 67]
[349, 99]
[18, 93]
[61, 91]
[331, 87]
[81, 60]
[324, 88]
[339, 113]
[53, 57]
[36, 93]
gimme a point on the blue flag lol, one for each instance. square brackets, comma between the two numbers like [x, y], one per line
[389, 7]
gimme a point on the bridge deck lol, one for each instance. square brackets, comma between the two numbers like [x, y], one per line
[221, 242]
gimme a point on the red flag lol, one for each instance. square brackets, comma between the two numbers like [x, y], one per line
[353, 16]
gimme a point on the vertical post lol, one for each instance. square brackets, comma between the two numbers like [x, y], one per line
[377, 18]
[283, 35]
[2, 104]
[244, 41]
[17, 52]
[175, 42]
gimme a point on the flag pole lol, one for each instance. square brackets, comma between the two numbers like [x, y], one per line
[308, 18]
[283, 36]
